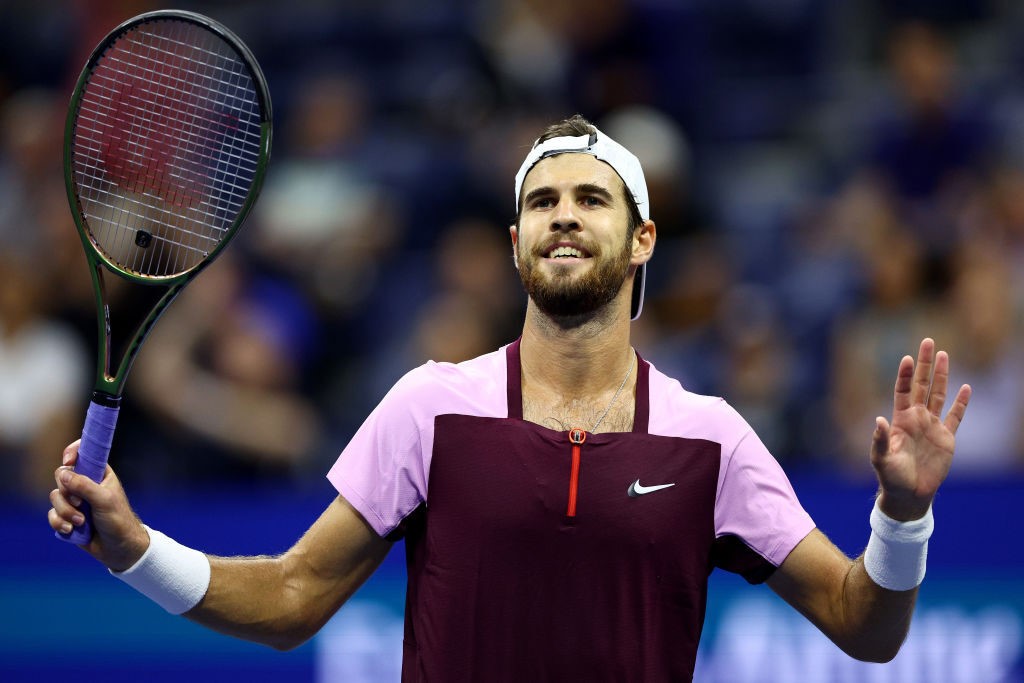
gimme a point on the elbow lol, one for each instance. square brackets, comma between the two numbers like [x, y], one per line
[874, 658]
[885, 655]
[278, 636]
[286, 642]
[288, 636]
[299, 615]
[875, 653]
[879, 657]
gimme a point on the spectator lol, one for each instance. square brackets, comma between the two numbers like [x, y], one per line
[984, 331]
[870, 338]
[45, 370]
[221, 377]
[935, 142]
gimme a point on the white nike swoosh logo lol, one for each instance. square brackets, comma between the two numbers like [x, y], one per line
[636, 489]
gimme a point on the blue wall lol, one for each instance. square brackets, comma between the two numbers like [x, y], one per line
[61, 615]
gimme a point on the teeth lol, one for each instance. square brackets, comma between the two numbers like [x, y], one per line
[563, 252]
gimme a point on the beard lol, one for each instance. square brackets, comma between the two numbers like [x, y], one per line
[562, 296]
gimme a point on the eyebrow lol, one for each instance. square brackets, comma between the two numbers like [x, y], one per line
[582, 188]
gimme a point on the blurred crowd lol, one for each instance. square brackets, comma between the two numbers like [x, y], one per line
[831, 182]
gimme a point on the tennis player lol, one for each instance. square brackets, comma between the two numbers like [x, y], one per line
[561, 500]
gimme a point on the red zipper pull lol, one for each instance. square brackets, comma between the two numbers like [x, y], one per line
[576, 437]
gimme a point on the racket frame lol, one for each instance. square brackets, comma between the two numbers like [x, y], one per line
[110, 385]
[101, 417]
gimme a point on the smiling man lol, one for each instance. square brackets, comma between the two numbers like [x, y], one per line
[562, 502]
[567, 273]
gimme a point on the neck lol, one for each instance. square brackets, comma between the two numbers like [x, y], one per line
[577, 357]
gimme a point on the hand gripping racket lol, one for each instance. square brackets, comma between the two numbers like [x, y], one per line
[165, 147]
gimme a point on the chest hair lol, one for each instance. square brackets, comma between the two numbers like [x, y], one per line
[568, 414]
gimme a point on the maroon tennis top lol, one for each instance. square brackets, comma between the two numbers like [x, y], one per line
[543, 555]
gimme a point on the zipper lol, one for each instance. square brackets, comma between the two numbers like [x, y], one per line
[576, 437]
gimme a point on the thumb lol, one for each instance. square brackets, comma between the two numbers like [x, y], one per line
[879, 440]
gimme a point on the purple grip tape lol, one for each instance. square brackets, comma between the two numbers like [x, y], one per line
[97, 436]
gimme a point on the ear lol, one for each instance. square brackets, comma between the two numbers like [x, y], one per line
[644, 238]
[513, 231]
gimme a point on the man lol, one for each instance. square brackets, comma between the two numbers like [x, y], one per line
[561, 500]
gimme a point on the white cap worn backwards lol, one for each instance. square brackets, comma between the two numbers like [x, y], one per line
[624, 162]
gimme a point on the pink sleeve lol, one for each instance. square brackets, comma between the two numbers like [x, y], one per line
[756, 502]
[383, 470]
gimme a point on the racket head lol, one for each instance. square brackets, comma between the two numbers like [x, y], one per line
[166, 144]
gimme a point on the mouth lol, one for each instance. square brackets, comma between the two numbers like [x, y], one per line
[562, 252]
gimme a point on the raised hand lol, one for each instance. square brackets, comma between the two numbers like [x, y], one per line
[913, 454]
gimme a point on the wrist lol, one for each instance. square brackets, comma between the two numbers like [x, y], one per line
[902, 509]
[172, 575]
[131, 551]
[897, 551]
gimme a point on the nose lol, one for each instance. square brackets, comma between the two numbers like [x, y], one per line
[564, 216]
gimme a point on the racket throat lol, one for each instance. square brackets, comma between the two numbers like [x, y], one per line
[121, 336]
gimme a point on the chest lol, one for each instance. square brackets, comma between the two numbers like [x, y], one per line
[564, 414]
[510, 482]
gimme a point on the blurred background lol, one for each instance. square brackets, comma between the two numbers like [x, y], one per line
[831, 181]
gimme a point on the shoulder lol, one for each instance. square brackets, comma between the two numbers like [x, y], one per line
[488, 369]
[675, 411]
[477, 386]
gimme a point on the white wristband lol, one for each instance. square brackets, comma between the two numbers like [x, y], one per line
[897, 551]
[171, 575]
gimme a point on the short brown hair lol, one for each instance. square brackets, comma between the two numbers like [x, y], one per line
[574, 126]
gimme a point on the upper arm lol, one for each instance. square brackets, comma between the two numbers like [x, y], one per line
[338, 552]
[812, 579]
[284, 600]
[331, 561]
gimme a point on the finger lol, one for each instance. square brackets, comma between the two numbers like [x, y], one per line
[78, 486]
[70, 455]
[956, 412]
[904, 380]
[923, 372]
[58, 523]
[63, 508]
[880, 440]
[58, 476]
[940, 382]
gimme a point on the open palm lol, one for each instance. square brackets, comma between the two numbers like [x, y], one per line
[912, 454]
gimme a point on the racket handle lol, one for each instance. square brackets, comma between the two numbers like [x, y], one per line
[97, 436]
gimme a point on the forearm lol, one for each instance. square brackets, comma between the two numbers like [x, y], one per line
[836, 594]
[882, 584]
[278, 601]
[260, 599]
[874, 621]
[864, 605]
[255, 598]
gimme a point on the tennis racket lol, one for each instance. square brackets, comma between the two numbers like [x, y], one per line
[166, 144]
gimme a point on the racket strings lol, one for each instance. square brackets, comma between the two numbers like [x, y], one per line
[166, 146]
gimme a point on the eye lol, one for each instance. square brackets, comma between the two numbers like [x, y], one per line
[593, 200]
[542, 203]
